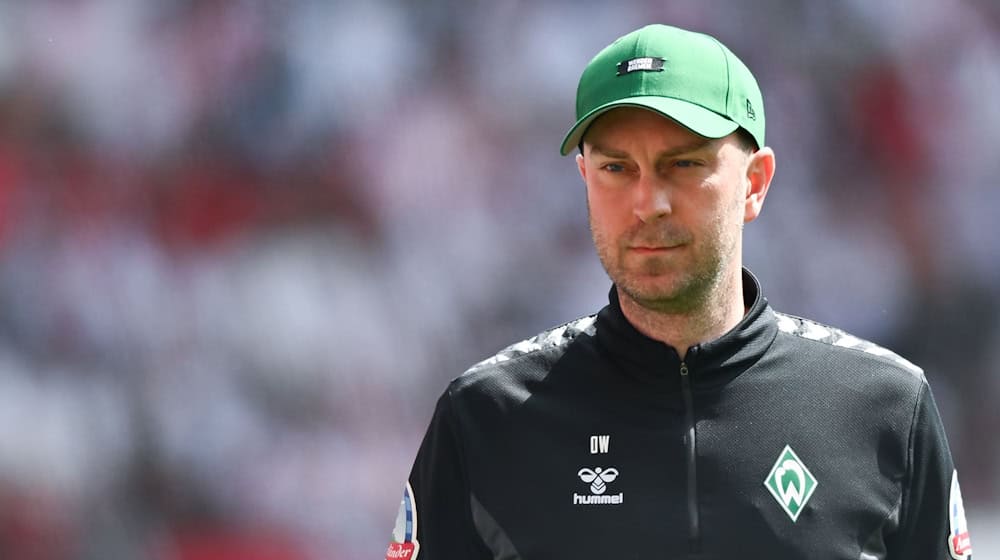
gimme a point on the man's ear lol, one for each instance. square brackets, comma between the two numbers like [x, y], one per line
[760, 171]
[581, 167]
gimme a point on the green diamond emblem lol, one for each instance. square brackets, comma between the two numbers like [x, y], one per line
[791, 483]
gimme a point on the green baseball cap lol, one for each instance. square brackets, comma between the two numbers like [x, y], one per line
[689, 77]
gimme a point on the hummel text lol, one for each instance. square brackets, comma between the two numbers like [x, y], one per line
[595, 500]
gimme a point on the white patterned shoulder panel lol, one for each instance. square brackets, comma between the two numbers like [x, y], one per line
[812, 330]
[549, 339]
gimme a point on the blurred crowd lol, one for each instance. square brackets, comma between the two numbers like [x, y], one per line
[245, 244]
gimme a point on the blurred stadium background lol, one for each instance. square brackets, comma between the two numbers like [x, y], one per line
[245, 244]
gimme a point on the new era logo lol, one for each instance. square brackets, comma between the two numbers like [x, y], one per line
[791, 483]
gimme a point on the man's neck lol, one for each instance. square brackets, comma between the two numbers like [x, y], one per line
[723, 310]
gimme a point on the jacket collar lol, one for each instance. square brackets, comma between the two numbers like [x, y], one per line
[711, 363]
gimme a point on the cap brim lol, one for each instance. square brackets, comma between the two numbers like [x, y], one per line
[698, 119]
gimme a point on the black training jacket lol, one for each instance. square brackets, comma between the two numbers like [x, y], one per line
[782, 439]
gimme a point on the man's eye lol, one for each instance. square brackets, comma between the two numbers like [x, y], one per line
[614, 167]
[686, 163]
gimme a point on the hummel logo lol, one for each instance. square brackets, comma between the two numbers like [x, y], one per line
[791, 483]
[598, 478]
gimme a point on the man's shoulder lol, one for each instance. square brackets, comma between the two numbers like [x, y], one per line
[838, 341]
[526, 359]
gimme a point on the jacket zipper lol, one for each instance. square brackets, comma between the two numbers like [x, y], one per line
[694, 529]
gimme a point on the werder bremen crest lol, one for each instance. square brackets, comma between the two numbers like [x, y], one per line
[791, 483]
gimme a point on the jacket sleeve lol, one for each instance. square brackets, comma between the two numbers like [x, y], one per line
[932, 516]
[435, 520]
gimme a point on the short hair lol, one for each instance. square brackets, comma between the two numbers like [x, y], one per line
[746, 140]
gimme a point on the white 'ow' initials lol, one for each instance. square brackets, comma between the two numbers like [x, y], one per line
[599, 444]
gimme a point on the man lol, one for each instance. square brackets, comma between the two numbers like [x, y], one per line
[686, 418]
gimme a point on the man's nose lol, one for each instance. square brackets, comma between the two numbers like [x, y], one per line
[652, 198]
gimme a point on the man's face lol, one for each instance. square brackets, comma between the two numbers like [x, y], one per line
[667, 207]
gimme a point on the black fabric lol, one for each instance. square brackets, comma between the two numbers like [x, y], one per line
[492, 533]
[513, 436]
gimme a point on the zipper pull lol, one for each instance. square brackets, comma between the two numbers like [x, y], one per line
[686, 391]
[694, 523]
